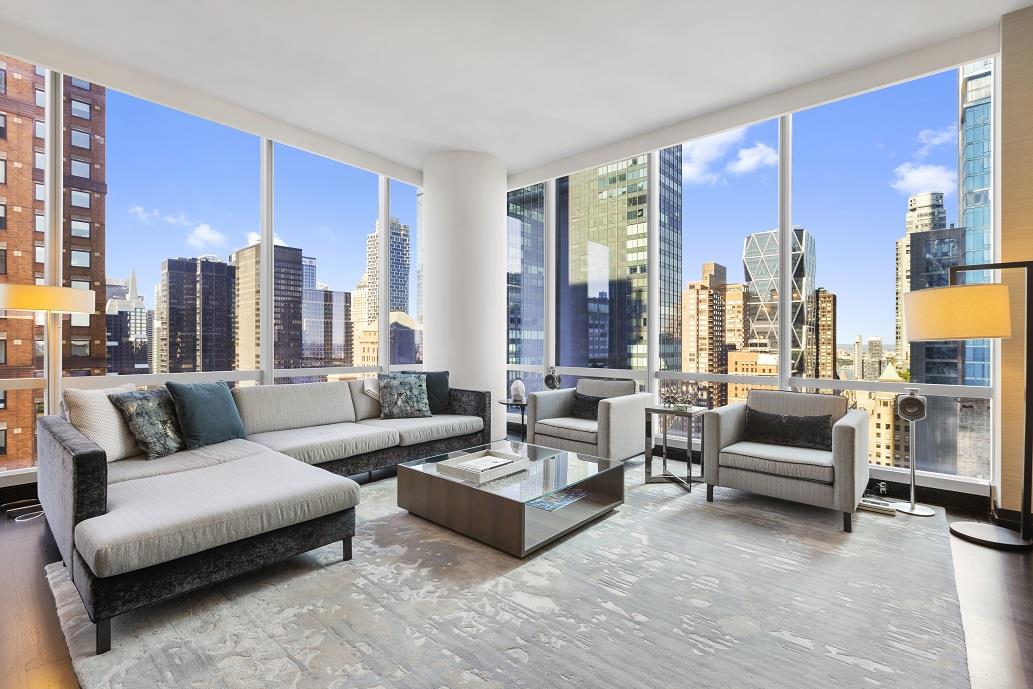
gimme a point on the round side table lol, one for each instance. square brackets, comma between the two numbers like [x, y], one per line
[523, 410]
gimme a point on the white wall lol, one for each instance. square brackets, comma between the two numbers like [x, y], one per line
[464, 267]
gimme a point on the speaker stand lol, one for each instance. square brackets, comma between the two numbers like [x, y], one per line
[912, 508]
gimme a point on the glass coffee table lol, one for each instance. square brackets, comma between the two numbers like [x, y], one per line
[557, 493]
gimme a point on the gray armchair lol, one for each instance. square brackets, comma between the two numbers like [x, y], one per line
[616, 435]
[833, 479]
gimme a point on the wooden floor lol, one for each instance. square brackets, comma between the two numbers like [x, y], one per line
[995, 589]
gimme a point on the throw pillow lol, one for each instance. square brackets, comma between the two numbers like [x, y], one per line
[586, 406]
[437, 389]
[811, 432]
[206, 413]
[151, 417]
[403, 396]
[93, 415]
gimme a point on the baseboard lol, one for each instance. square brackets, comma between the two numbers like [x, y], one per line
[957, 502]
[1005, 517]
[21, 492]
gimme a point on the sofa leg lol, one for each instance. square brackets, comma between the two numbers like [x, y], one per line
[103, 636]
[710, 493]
[847, 525]
[347, 548]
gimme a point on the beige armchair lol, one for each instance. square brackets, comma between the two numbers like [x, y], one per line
[617, 434]
[833, 479]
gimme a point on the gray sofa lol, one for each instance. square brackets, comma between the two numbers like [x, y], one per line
[616, 434]
[137, 531]
[833, 479]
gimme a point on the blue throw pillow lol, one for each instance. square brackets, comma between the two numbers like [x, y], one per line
[403, 396]
[206, 413]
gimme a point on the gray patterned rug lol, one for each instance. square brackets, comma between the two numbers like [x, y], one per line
[667, 592]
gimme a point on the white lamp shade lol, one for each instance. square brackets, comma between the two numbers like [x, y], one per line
[959, 312]
[43, 298]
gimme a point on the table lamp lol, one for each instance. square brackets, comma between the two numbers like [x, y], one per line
[975, 312]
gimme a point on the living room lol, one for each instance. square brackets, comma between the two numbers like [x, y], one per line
[392, 345]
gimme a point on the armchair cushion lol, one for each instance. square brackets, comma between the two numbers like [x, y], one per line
[780, 460]
[586, 406]
[596, 387]
[569, 428]
[814, 432]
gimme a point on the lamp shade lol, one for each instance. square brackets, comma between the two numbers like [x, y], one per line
[959, 312]
[43, 298]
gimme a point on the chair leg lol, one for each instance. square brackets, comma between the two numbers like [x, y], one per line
[847, 524]
[710, 493]
[103, 636]
[347, 548]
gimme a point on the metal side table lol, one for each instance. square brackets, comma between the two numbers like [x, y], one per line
[667, 414]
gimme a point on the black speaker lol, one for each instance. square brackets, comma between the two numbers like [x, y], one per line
[912, 406]
[552, 381]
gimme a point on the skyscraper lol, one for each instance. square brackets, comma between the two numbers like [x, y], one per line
[760, 263]
[287, 322]
[194, 315]
[825, 356]
[326, 316]
[703, 348]
[129, 326]
[601, 219]
[736, 324]
[873, 359]
[858, 358]
[525, 276]
[399, 262]
[924, 212]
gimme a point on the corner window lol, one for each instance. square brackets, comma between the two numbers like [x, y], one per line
[80, 109]
[80, 259]
[80, 228]
[80, 199]
[81, 168]
[80, 139]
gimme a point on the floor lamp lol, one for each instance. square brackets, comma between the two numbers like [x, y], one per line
[973, 312]
[53, 301]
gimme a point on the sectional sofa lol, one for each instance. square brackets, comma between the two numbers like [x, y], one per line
[137, 531]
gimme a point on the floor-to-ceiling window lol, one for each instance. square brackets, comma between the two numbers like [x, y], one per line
[525, 286]
[405, 262]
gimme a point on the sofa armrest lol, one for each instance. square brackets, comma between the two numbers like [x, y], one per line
[472, 403]
[72, 479]
[722, 427]
[548, 404]
[850, 459]
[622, 424]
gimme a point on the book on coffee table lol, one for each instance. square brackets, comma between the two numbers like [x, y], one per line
[482, 466]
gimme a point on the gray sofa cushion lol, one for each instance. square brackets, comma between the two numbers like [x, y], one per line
[161, 518]
[141, 467]
[779, 460]
[570, 428]
[265, 408]
[428, 428]
[365, 406]
[96, 417]
[318, 444]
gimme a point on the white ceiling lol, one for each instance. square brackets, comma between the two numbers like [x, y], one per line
[529, 81]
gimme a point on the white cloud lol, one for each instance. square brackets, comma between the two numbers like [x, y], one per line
[700, 155]
[179, 219]
[255, 238]
[204, 237]
[753, 158]
[929, 139]
[912, 178]
[142, 214]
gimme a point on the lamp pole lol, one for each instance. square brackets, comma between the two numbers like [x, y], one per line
[988, 534]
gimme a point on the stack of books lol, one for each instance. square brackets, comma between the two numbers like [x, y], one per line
[483, 466]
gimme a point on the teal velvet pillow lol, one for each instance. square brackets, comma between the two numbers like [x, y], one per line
[403, 396]
[151, 417]
[206, 412]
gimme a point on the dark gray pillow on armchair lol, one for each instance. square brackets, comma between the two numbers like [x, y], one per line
[810, 432]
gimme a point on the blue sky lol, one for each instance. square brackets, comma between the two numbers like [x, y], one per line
[855, 162]
[182, 186]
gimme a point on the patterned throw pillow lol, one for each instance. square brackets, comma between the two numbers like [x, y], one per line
[403, 396]
[585, 406]
[151, 417]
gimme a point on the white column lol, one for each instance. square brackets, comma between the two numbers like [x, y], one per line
[384, 274]
[53, 237]
[266, 266]
[464, 273]
[653, 273]
[785, 250]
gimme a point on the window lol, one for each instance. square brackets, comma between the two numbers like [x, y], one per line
[39, 160]
[80, 199]
[41, 98]
[601, 309]
[80, 259]
[3, 81]
[40, 191]
[3, 216]
[80, 109]
[80, 139]
[40, 254]
[3, 172]
[525, 283]
[3, 261]
[80, 320]
[40, 222]
[326, 275]
[80, 347]
[3, 399]
[39, 129]
[3, 352]
[80, 228]
[79, 284]
[79, 83]
[405, 315]
[3, 441]
[81, 168]
[3, 126]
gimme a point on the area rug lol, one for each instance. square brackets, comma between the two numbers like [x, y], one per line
[668, 591]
